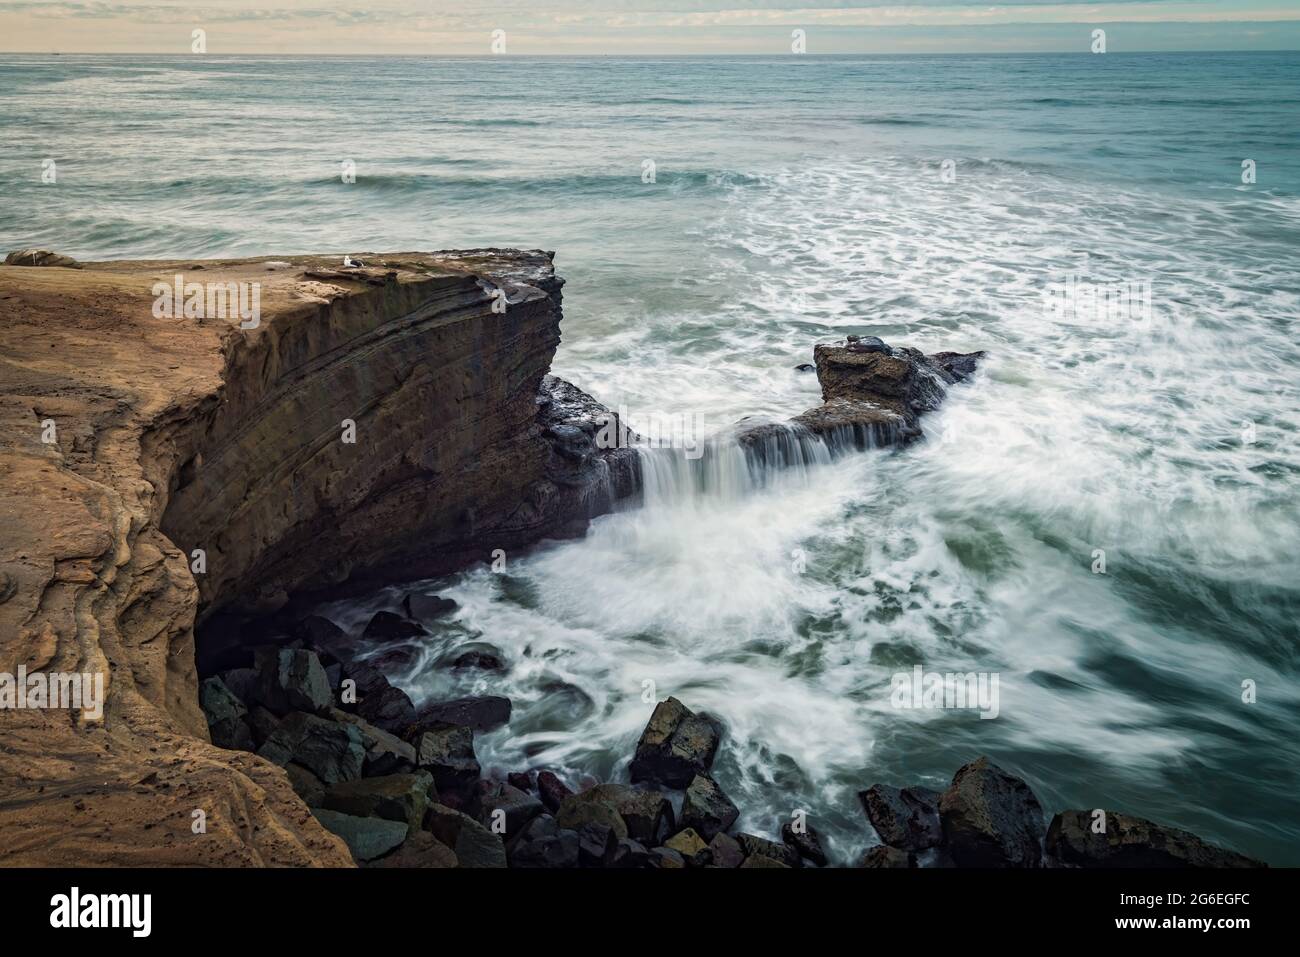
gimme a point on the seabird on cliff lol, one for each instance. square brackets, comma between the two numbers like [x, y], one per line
[350, 263]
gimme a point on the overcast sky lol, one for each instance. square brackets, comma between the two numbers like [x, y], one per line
[622, 27]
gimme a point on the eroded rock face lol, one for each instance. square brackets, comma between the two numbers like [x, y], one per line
[130, 442]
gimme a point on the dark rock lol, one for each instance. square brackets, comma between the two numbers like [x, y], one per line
[524, 780]
[394, 797]
[367, 678]
[420, 849]
[386, 626]
[243, 684]
[762, 860]
[707, 809]
[676, 745]
[866, 344]
[475, 845]
[385, 752]
[447, 752]
[507, 809]
[481, 713]
[262, 723]
[631, 854]
[1133, 842]
[597, 845]
[805, 842]
[884, 856]
[647, 815]
[543, 844]
[333, 752]
[906, 818]
[395, 658]
[667, 859]
[761, 847]
[422, 607]
[991, 818]
[330, 642]
[552, 790]
[225, 714]
[305, 784]
[388, 708]
[292, 680]
[40, 257]
[727, 851]
[580, 810]
[805, 367]
[366, 837]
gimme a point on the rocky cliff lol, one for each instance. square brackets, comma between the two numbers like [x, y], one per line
[159, 464]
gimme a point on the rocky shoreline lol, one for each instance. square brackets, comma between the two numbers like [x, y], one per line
[179, 492]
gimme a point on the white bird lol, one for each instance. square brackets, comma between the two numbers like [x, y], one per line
[350, 263]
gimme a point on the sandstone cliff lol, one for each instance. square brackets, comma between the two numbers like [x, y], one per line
[386, 419]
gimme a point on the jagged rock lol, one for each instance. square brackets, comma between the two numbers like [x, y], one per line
[693, 848]
[726, 851]
[579, 810]
[676, 745]
[542, 843]
[511, 805]
[906, 818]
[597, 845]
[367, 678]
[394, 797]
[884, 856]
[1133, 842]
[243, 684]
[225, 714]
[481, 713]
[706, 808]
[551, 790]
[388, 708]
[262, 723]
[366, 837]
[991, 818]
[385, 753]
[333, 752]
[475, 845]
[762, 860]
[806, 842]
[667, 859]
[330, 642]
[305, 784]
[754, 846]
[386, 626]
[447, 752]
[420, 849]
[40, 257]
[631, 854]
[524, 780]
[422, 607]
[647, 815]
[292, 680]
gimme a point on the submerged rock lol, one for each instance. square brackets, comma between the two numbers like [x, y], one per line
[904, 817]
[1130, 841]
[991, 818]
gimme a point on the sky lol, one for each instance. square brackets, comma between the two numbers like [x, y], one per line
[631, 27]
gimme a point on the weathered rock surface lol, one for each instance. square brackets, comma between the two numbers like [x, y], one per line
[904, 817]
[394, 797]
[706, 808]
[991, 818]
[166, 436]
[1130, 841]
[367, 837]
[676, 745]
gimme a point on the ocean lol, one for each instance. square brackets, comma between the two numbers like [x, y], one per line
[1106, 518]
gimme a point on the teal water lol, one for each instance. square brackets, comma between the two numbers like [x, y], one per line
[798, 199]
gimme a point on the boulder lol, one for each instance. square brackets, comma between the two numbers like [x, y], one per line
[40, 257]
[480, 713]
[385, 753]
[330, 642]
[804, 841]
[675, 746]
[243, 684]
[511, 807]
[331, 751]
[388, 708]
[726, 851]
[394, 797]
[262, 723]
[706, 808]
[906, 817]
[631, 854]
[305, 784]
[447, 752]
[991, 818]
[386, 626]
[543, 844]
[884, 856]
[420, 849]
[762, 860]
[422, 607]
[754, 846]
[597, 845]
[475, 846]
[1130, 841]
[551, 790]
[647, 815]
[225, 714]
[366, 837]
[693, 848]
[580, 810]
[665, 858]
[524, 780]
[292, 679]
